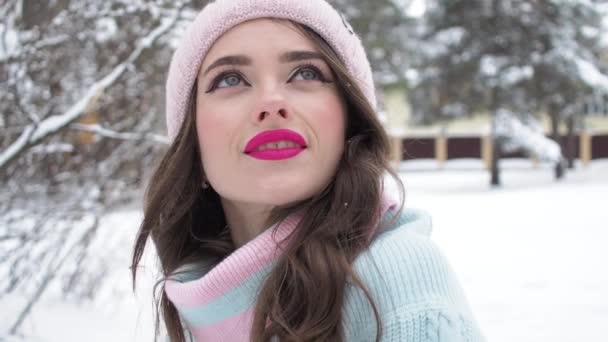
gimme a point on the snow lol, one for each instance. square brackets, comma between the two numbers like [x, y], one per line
[416, 8]
[441, 42]
[450, 36]
[114, 315]
[490, 65]
[592, 76]
[566, 57]
[507, 75]
[530, 256]
[53, 148]
[515, 74]
[105, 132]
[33, 133]
[9, 41]
[106, 29]
[529, 136]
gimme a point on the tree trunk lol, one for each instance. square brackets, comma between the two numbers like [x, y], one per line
[496, 142]
[494, 169]
[559, 170]
[570, 142]
[559, 166]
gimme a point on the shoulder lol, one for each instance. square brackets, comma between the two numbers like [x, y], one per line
[403, 241]
[405, 270]
[410, 281]
[411, 220]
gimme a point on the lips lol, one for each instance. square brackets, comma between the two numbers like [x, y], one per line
[275, 145]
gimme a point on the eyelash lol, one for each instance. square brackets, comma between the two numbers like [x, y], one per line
[314, 68]
[221, 76]
[234, 72]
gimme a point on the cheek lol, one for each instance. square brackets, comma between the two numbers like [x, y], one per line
[205, 135]
[331, 122]
[335, 138]
[214, 131]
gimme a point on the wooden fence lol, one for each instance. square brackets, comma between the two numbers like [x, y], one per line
[588, 146]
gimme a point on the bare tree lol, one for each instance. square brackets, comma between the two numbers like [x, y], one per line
[81, 123]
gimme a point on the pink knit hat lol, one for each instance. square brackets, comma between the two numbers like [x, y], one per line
[222, 15]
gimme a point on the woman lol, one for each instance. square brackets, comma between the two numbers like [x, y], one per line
[268, 211]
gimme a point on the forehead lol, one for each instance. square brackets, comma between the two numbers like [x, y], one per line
[261, 37]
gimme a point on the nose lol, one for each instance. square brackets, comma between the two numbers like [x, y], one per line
[271, 106]
[271, 109]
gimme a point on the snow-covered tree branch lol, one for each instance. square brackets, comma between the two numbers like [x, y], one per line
[40, 130]
[108, 133]
[81, 86]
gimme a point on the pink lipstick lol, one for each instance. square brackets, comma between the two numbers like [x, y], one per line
[275, 145]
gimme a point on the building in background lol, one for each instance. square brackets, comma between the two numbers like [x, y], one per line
[469, 137]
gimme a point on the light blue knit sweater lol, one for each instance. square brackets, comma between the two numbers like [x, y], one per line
[415, 290]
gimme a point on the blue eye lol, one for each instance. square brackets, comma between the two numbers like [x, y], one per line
[307, 74]
[227, 79]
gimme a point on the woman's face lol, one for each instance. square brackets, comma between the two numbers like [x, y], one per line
[269, 118]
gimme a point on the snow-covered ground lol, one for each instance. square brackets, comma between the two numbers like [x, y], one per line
[531, 256]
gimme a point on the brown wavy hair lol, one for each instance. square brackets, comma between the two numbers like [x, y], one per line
[302, 298]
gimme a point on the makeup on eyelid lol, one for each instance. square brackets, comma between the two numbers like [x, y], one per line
[223, 75]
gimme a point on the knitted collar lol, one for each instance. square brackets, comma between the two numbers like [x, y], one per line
[217, 303]
[239, 265]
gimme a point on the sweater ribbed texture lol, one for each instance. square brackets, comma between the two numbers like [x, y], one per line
[411, 282]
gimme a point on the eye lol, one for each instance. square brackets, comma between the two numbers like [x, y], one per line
[308, 73]
[227, 79]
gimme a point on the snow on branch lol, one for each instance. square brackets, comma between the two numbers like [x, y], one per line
[39, 45]
[500, 71]
[34, 133]
[528, 136]
[75, 242]
[441, 42]
[576, 66]
[592, 76]
[108, 133]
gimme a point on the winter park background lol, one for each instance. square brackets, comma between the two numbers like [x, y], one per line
[497, 109]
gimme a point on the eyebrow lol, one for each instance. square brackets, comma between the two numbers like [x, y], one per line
[295, 56]
[287, 57]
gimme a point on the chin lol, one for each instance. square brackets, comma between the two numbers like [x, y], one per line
[282, 196]
[283, 193]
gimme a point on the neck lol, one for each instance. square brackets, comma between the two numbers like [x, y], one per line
[246, 220]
